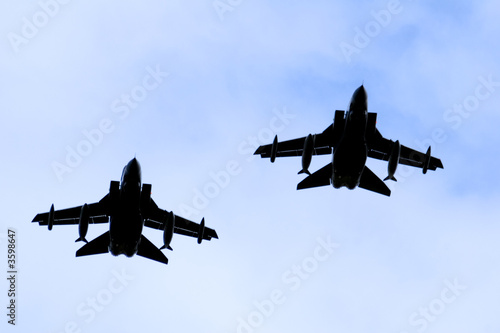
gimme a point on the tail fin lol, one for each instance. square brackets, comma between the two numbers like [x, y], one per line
[304, 171]
[166, 247]
[150, 251]
[95, 246]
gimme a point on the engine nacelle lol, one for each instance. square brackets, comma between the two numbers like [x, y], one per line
[274, 149]
[83, 223]
[201, 230]
[307, 152]
[168, 231]
[51, 217]
[393, 161]
[427, 160]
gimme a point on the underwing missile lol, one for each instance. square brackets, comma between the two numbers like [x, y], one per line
[307, 152]
[393, 161]
[83, 223]
[427, 160]
[51, 217]
[201, 230]
[168, 231]
[274, 149]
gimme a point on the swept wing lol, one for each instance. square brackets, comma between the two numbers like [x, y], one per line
[380, 148]
[156, 218]
[98, 213]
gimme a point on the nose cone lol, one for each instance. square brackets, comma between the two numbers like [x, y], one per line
[134, 166]
[359, 100]
[360, 94]
[132, 171]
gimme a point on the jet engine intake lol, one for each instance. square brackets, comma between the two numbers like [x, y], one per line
[114, 196]
[145, 199]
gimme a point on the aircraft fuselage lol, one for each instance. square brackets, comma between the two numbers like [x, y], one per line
[126, 223]
[350, 154]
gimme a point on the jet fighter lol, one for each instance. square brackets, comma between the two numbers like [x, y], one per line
[351, 138]
[128, 208]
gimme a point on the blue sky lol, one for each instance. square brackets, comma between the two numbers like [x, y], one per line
[206, 82]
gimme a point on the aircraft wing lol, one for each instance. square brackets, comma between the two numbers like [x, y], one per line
[322, 146]
[292, 148]
[98, 213]
[156, 218]
[380, 148]
[323, 142]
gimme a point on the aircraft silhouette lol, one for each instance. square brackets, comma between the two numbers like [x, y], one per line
[351, 138]
[127, 208]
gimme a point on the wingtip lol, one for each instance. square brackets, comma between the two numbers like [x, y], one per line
[258, 151]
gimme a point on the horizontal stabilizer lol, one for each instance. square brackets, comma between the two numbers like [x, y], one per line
[95, 246]
[319, 178]
[369, 181]
[150, 251]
